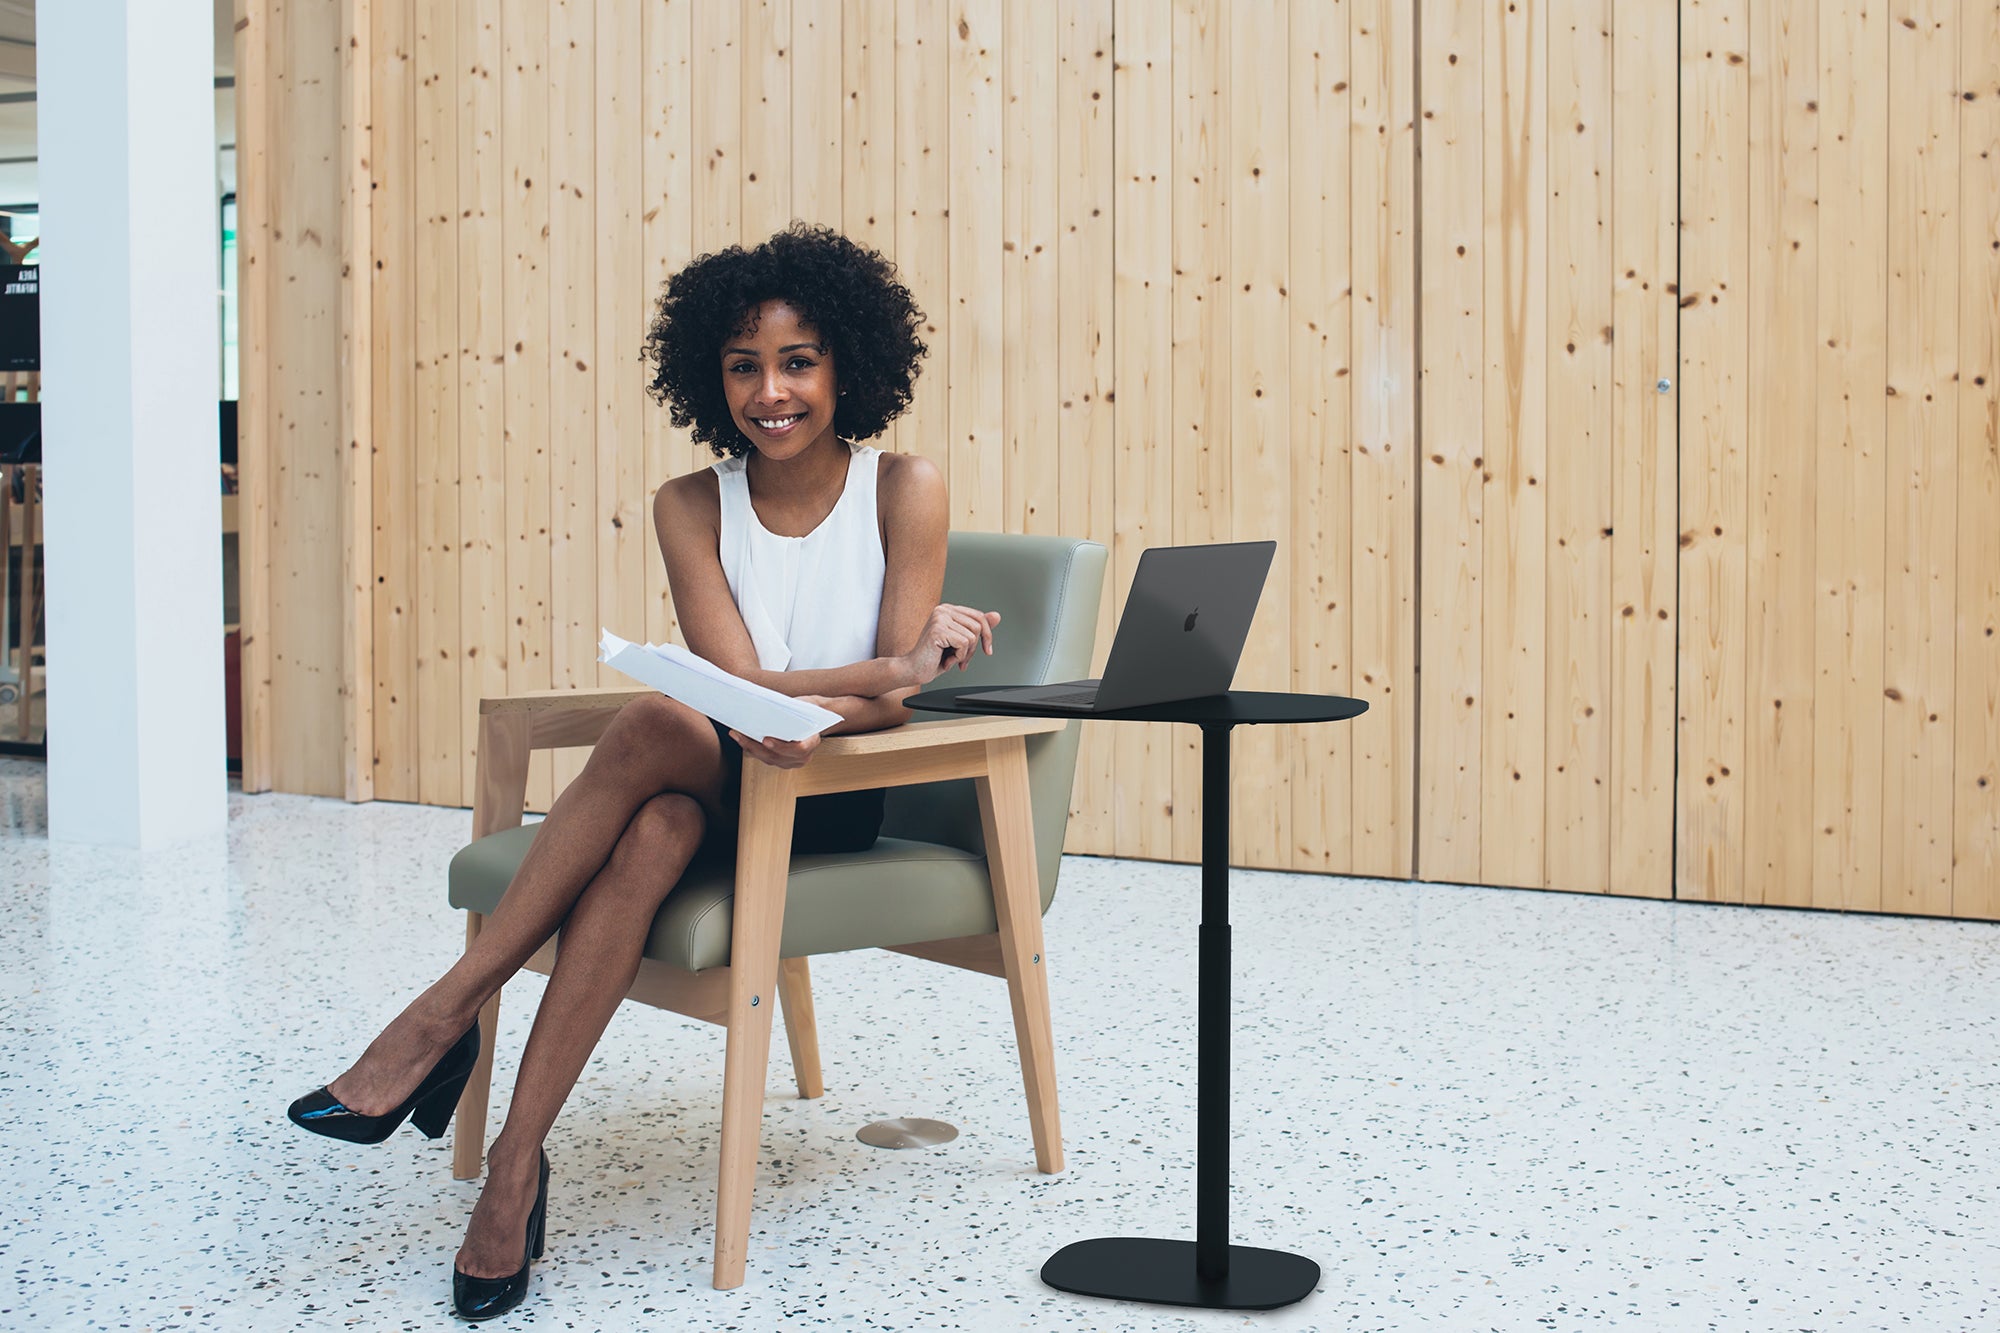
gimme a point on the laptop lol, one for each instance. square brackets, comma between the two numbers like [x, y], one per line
[1182, 633]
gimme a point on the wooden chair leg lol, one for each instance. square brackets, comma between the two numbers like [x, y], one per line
[1007, 817]
[801, 1031]
[468, 1141]
[763, 860]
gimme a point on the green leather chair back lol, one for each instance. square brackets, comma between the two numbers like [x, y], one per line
[1047, 591]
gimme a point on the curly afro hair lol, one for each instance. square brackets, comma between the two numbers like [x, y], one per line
[848, 292]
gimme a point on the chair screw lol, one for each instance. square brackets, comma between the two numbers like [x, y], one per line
[756, 1000]
[1036, 959]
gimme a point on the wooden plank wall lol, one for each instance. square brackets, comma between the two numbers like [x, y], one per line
[1170, 298]
[1840, 571]
[306, 450]
[1546, 520]
[253, 261]
[1395, 285]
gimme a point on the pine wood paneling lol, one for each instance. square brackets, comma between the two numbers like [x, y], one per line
[667, 34]
[867, 93]
[393, 237]
[1182, 268]
[1920, 460]
[573, 207]
[817, 119]
[1142, 359]
[1853, 283]
[977, 474]
[1715, 351]
[1259, 478]
[767, 117]
[1866, 546]
[1384, 333]
[354, 438]
[433, 281]
[1269, 384]
[1514, 306]
[923, 201]
[718, 125]
[625, 548]
[482, 377]
[1317, 325]
[1031, 470]
[1644, 458]
[1784, 404]
[1577, 351]
[717, 89]
[1450, 538]
[1976, 768]
[1084, 264]
[255, 448]
[311, 433]
[1549, 483]
[524, 35]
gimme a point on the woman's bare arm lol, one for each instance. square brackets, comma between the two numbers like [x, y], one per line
[858, 714]
[916, 509]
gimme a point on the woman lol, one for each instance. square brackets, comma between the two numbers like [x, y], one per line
[803, 561]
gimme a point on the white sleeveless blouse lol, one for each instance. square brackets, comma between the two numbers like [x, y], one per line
[813, 601]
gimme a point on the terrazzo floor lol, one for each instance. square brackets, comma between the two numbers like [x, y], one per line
[1475, 1108]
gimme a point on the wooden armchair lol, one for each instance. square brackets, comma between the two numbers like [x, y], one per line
[966, 866]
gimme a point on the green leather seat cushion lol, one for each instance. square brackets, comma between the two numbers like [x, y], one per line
[898, 892]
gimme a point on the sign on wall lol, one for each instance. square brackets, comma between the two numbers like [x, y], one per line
[20, 317]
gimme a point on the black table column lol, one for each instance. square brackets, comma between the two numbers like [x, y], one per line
[1211, 1134]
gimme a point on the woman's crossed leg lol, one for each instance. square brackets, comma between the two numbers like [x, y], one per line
[655, 748]
[602, 941]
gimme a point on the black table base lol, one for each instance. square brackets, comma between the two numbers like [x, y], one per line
[1163, 1272]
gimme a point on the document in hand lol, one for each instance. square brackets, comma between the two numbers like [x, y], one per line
[752, 709]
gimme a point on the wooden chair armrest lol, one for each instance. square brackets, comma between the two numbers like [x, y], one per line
[561, 701]
[510, 726]
[930, 732]
[930, 751]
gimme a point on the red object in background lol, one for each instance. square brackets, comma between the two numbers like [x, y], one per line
[232, 684]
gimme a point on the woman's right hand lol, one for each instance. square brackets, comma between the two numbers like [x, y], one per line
[948, 640]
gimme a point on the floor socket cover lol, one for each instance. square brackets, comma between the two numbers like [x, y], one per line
[907, 1132]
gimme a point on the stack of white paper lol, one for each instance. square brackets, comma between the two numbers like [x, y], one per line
[750, 708]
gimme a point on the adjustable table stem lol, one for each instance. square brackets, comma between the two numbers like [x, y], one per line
[1211, 1187]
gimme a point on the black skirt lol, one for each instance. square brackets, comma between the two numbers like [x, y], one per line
[835, 821]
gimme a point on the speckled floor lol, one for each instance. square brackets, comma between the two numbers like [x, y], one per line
[1476, 1109]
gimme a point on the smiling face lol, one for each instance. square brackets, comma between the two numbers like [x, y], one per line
[778, 378]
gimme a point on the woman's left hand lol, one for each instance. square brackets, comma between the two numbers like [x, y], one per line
[782, 754]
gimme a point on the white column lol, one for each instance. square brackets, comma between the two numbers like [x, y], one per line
[125, 92]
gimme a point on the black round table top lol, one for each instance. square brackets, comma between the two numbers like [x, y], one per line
[1235, 708]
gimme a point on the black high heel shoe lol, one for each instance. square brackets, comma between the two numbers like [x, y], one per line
[429, 1108]
[477, 1298]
